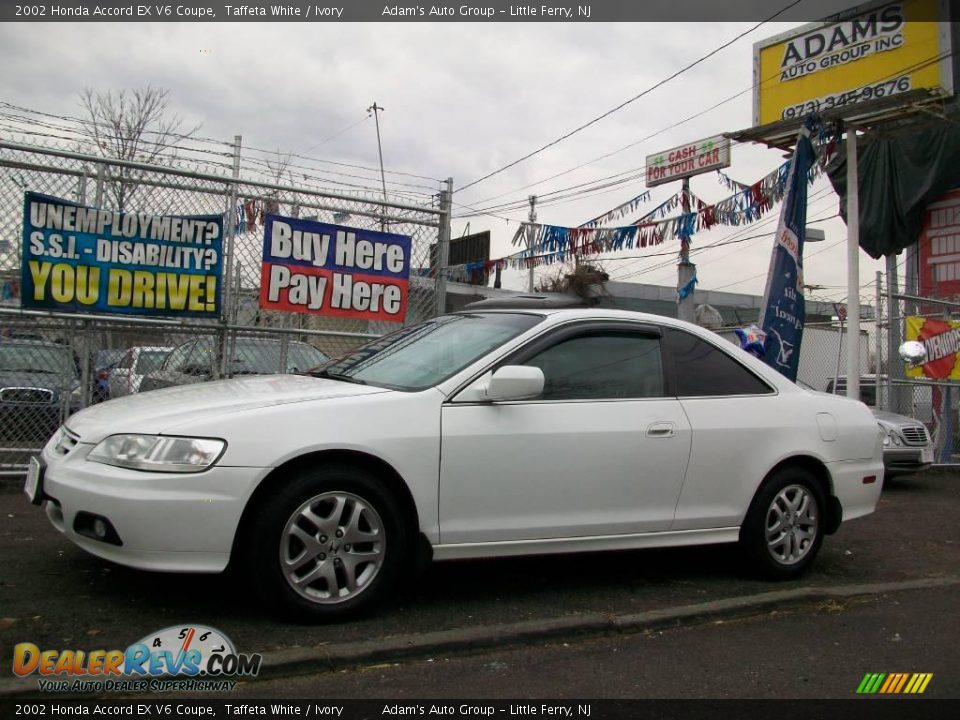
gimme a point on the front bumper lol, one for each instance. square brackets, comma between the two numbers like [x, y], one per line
[164, 521]
[904, 460]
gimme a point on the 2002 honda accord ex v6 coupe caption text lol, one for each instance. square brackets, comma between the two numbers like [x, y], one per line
[476, 434]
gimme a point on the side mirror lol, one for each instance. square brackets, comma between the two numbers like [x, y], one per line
[913, 353]
[515, 382]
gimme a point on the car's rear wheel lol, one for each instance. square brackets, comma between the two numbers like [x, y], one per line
[330, 544]
[784, 528]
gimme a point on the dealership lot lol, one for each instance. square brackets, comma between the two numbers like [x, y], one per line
[57, 596]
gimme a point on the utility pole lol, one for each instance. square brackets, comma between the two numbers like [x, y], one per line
[686, 271]
[375, 109]
[530, 238]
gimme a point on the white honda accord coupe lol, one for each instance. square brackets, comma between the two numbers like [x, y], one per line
[476, 434]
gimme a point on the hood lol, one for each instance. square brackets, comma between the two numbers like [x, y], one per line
[158, 411]
[47, 381]
[894, 419]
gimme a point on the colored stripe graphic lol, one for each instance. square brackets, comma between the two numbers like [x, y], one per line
[871, 683]
[894, 683]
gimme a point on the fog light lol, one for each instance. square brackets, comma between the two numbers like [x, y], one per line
[96, 527]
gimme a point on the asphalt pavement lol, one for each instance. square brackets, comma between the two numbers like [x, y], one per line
[819, 651]
[57, 596]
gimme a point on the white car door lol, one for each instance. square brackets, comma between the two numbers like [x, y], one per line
[742, 427]
[601, 452]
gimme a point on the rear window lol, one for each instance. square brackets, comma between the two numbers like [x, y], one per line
[150, 360]
[704, 370]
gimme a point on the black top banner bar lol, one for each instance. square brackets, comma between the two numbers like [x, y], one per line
[319, 11]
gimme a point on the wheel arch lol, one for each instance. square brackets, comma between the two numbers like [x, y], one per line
[387, 473]
[818, 469]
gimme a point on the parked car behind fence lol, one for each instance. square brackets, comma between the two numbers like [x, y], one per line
[126, 377]
[39, 387]
[193, 361]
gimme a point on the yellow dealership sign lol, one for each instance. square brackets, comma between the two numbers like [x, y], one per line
[886, 49]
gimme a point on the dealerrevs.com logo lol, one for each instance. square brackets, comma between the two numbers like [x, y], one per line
[180, 657]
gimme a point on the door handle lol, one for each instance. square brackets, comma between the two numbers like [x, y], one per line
[660, 429]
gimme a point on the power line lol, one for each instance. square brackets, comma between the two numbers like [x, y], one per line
[631, 100]
[522, 203]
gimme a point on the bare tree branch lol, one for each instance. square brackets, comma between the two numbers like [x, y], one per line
[132, 125]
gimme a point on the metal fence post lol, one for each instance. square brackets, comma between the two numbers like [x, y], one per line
[101, 181]
[229, 296]
[82, 187]
[880, 367]
[443, 252]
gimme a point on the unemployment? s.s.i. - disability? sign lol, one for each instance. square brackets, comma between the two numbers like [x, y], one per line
[334, 270]
[82, 259]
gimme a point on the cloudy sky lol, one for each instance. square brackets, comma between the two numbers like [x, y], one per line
[462, 100]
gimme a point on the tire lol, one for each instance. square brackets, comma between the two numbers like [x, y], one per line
[329, 545]
[784, 528]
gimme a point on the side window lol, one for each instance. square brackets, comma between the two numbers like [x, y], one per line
[601, 365]
[701, 369]
[127, 361]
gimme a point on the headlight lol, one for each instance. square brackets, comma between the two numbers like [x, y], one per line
[159, 453]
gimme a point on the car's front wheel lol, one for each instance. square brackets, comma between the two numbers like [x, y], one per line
[330, 544]
[784, 527]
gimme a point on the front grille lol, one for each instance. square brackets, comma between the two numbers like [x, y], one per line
[915, 435]
[66, 441]
[26, 395]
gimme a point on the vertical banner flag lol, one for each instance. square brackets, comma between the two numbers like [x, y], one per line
[82, 259]
[783, 309]
[334, 270]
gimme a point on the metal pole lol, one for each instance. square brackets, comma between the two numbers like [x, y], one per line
[98, 198]
[530, 238]
[883, 399]
[853, 268]
[836, 375]
[82, 187]
[686, 307]
[896, 394]
[443, 254]
[230, 295]
[376, 119]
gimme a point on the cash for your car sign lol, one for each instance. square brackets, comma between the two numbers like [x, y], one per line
[82, 259]
[334, 270]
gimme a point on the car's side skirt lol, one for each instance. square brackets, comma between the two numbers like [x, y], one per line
[586, 544]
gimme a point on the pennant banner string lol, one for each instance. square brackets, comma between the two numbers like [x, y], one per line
[553, 243]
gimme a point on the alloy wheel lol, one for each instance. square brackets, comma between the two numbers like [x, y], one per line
[332, 547]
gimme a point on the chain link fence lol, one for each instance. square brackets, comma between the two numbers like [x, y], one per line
[934, 402]
[53, 364]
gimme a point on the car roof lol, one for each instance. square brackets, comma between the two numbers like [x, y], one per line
[580, 313]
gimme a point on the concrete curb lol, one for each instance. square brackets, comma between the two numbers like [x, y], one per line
[328, 658]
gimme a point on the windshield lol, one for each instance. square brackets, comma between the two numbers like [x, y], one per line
[37, 359]
[421, 356]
